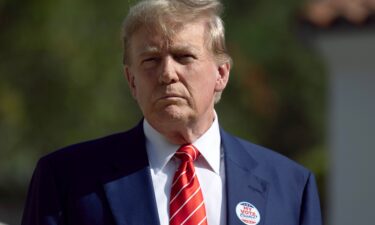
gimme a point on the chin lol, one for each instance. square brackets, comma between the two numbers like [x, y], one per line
[174, 114]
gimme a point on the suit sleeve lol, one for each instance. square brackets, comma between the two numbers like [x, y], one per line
[310, 207]
[43, 203]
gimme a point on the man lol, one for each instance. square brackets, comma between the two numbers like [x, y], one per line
[177, 166]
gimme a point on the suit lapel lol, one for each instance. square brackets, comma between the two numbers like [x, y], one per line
[129, 188]
[131, 199]
[243, 184]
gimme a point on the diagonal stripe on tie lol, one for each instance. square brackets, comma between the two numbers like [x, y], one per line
[194, 216]
[186, 206]
[179, 207]
[182, 189]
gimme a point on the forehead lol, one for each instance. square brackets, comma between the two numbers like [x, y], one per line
[187, 36]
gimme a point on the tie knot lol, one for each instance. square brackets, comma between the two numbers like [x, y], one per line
[187, 153]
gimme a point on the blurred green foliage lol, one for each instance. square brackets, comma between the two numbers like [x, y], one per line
[61, 81]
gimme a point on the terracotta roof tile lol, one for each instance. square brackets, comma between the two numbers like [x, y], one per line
[324, 12]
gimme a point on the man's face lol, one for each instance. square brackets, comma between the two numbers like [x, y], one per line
[175, 80]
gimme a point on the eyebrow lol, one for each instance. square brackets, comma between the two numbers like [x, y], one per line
[147, 50]
[150, 50]
[185, 48]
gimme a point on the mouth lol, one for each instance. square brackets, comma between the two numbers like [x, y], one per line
[171, 98]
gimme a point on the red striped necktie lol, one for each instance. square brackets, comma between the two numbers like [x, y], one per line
[186, 205]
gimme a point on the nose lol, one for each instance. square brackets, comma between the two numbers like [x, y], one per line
[168, 72]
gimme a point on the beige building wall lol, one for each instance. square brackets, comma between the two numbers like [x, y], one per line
[350, 58]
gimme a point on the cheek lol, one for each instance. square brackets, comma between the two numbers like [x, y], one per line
[144, 87]
[205, 84]
[208, 79]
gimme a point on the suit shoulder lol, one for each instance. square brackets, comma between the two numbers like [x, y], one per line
[272, 159]
[92, 150]
[280, 172]
[81, 166]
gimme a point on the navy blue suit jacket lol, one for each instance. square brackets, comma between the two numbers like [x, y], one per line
[107, 181]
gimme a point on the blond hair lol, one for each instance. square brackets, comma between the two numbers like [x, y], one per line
[166, 16]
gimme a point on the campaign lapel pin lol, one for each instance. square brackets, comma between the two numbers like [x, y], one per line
[247, 213]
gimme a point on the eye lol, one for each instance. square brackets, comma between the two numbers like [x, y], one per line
[150, 61]
[185, 58]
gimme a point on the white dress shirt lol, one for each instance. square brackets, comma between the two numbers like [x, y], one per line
[209, 168]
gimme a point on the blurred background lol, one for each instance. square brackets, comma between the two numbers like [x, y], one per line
[303, 84]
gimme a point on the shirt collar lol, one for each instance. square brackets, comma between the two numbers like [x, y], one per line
[160, 151]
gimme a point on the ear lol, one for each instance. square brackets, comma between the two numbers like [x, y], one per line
[131, 80]
[222, 76]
